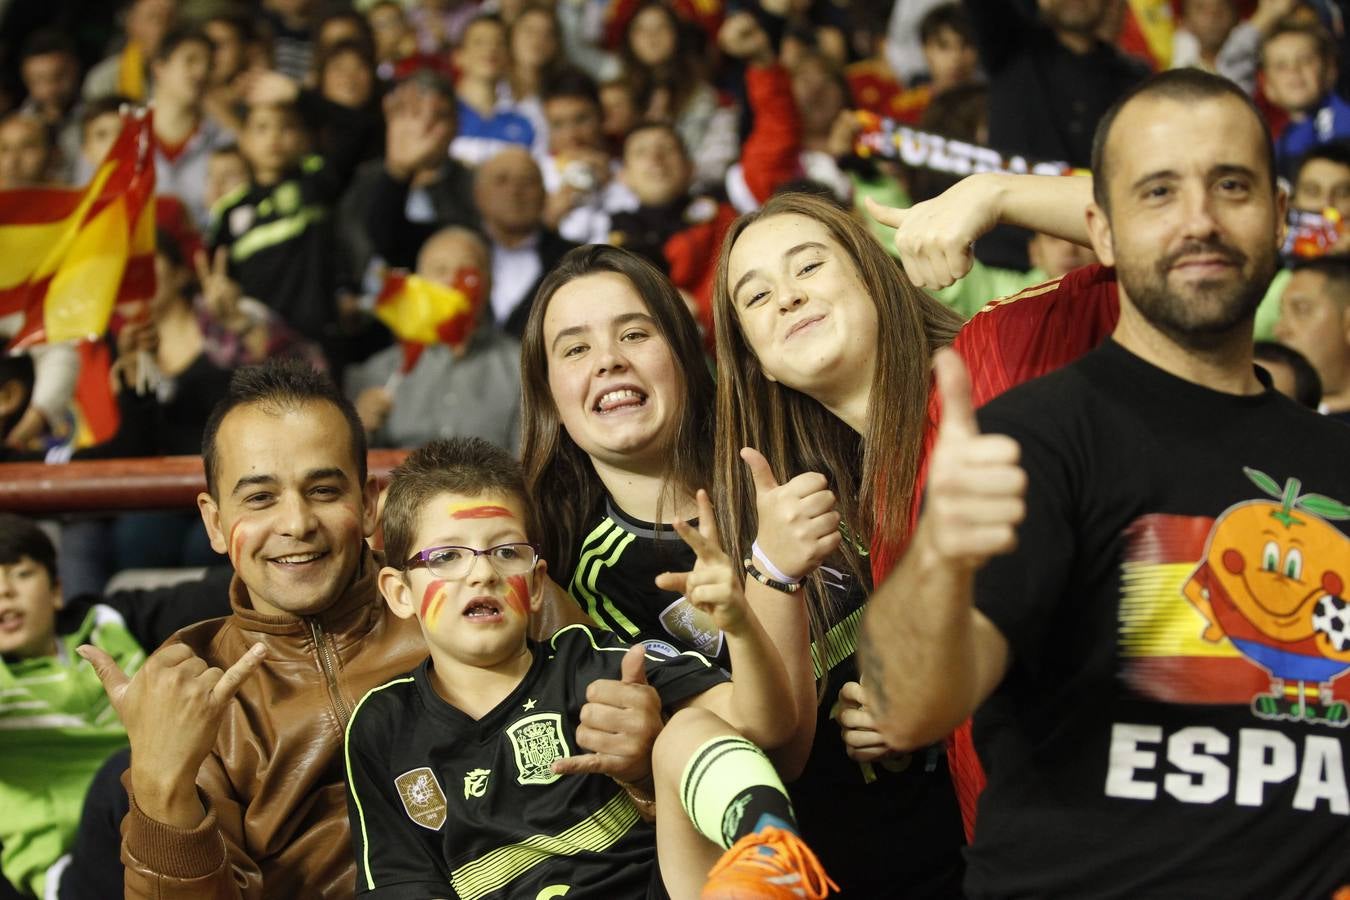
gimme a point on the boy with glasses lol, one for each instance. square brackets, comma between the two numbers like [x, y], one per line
[457, 771]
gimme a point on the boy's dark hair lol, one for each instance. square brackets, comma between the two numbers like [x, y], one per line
[20, 537]
[46, 41]
[654, 125]
[1183, 86]
[366, 53]
[1307, 383]
[17, 367]
[1335, 268]
[277, 385]
[101, 106]
[1326, 44]
[468, 465]
[180, 35]
[570, 83]
[365, 36]
[946, 17]
[240, 22]
[1337, 152]
[489, 18]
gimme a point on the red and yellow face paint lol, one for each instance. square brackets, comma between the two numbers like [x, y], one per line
[433, 598]
[518, 595]
[479, 511]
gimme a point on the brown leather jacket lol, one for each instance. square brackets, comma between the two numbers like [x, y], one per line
[274, 786]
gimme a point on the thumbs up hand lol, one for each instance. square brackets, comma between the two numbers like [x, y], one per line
[976, 489]
[619, 724]
[798, 524]
[935, 237]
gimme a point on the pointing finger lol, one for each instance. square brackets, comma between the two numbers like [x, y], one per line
[237, 674]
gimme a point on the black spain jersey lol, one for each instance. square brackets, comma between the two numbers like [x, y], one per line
[442, 805]
[853, 815]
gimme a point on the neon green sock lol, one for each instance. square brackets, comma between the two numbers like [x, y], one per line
[729, 788]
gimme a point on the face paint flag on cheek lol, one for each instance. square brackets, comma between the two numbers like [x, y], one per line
[421, 312]
[433, 598]
[518, 594]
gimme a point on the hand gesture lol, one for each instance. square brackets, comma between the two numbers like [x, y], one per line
[220, 292]
[798, 524]
[172, 709]
[862, 741]
[741, 37]
[416, 133]
[976, 488]
[268, 87]
[715, 585]
[619, 724]
[935, 237]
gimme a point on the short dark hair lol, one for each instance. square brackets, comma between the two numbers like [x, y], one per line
[570, 83]
[101, 106]
[946, 17]
[16, 367]
[1326, 44]
[1335, 267]
[281, 384]
[1337, 152]
[469, 466]
[180, 35]
[1307, 383]
[485, 18]
[654, 125]
[1182, 85]
[20, 537]
[46, 41]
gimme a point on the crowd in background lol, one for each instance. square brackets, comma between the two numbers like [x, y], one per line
[304, 149]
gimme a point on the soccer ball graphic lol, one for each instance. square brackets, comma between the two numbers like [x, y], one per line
[1332, 618]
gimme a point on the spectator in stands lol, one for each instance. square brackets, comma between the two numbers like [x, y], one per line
[292, 27]
[339, 26]
[127, 71]
[509, 193]
[185, 136]
[487, 121]
[235, 52]
[469, 392]
[226, 172]
[51, 75]
[1323, 180]
[58, 725]
[394, 37]
[16, 393]
[344, 106]
[27, 154]
[278, 228]
[1315, 321]
[536, 57]
[580, 176]
[1212, 37]
[670, 86]
[440, 24]
[950, 57]
[1050, 79]
[396, 203]
[1290, 372]
[620, 112]
[1298, 60]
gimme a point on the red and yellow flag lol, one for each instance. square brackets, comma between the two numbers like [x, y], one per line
[74, 255]
[421, 312]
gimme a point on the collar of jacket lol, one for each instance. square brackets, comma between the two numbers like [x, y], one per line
[346, 621]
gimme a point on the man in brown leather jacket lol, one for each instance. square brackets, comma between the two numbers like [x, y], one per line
[237, 781]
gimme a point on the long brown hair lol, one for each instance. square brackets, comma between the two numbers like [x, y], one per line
[558, 474]
[871, 472]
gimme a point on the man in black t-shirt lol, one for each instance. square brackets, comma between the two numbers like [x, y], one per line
[1137, 584]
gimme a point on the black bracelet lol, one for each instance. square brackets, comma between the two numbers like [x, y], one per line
[765, 580]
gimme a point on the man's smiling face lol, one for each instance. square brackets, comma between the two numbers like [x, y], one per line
[291, 512]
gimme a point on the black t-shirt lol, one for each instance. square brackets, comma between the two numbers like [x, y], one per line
[901, 825]
[1178, 554]
[438, 800]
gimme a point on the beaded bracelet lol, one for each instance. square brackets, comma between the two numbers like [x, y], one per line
[784, 586]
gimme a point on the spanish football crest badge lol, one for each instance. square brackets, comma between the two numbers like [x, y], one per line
[538, 740]
[422, 798]
[687, 623]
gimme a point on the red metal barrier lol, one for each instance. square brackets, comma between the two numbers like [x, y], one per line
[163, 482]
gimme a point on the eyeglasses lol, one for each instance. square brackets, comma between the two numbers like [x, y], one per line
[452, 563]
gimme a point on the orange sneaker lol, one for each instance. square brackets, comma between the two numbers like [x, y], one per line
[767, 865]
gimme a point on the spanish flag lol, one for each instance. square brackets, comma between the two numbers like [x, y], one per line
[421, 312]
[74, 255]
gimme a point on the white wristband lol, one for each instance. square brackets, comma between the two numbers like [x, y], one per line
[769, 568]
